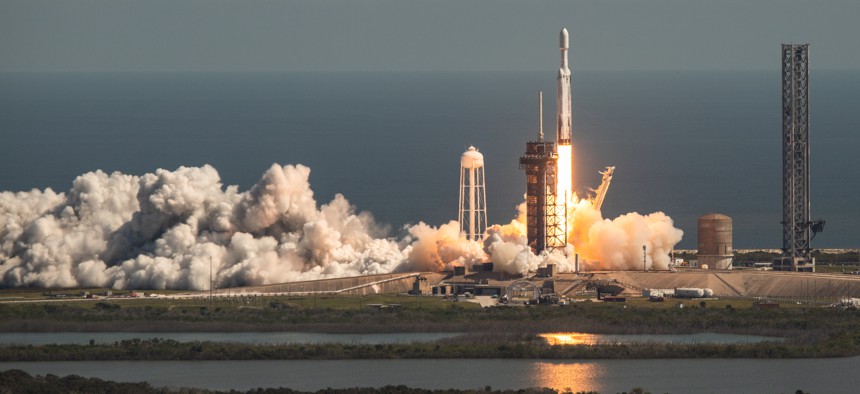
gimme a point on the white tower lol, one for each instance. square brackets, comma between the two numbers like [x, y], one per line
[473, 195]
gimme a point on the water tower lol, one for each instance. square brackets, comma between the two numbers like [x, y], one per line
[473, 195]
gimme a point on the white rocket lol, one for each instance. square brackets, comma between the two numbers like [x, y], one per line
[563, 112]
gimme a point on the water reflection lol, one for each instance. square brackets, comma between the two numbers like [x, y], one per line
[579, 338]
[569, 338]
[573, 376]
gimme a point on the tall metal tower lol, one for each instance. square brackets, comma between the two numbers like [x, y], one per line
[473, 195]
[543, 223]
[797, 228]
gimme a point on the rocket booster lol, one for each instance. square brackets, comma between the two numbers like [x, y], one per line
[563, 90]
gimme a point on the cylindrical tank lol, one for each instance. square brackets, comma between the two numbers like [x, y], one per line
[689, 292]
[472, 158]
[715, 241]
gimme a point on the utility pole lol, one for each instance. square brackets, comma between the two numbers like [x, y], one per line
[644, 260]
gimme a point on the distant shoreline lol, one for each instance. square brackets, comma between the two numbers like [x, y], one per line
[469, 347]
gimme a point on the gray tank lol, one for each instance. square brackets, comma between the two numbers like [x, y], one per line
[715, 241]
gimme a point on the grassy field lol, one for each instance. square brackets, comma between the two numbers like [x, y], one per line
[17, 381]
[836, 268]
[499, 332]
[336, 313]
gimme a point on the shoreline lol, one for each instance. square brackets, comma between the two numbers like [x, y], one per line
[467, 346]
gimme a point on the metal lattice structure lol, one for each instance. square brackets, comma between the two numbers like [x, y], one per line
[797, 229]
[473, 195]
[543, 214]
[600, 193]
[542, 221]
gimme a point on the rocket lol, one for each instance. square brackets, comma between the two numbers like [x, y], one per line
[563, 112]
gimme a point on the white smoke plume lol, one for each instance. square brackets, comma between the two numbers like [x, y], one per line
[160, 230]
[616, 244]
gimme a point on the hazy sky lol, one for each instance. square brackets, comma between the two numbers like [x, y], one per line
[403, 35]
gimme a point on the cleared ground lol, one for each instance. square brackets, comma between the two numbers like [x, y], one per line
[746, 283]
[727, 284]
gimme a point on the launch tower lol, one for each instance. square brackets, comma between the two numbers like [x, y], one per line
[473, 195]
[797, 228]
[544, 227]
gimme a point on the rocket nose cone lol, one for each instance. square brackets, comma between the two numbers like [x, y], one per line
[563, 39]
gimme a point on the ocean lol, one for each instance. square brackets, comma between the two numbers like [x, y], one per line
[685, 143]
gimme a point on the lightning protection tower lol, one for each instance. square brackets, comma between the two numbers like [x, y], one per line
[797, 228]
[543, 222]
[473, 195]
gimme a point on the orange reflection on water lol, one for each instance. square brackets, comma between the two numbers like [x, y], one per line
[565, 375]
[569, 338]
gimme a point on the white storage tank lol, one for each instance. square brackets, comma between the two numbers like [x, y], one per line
[690, 292]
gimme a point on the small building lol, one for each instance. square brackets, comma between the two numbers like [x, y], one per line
[420, 286]
[546, 272]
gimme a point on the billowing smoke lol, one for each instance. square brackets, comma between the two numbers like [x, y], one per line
[161, 230]
[616, 244]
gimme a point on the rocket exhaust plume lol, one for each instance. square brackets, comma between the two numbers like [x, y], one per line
[159, 230]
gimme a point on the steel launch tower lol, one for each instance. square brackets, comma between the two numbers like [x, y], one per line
[797, 228]
[544, 228]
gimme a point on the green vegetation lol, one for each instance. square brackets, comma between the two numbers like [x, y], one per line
[846, 268]
[468, 346]
[851, 257]
[848, 258]
[809, 332]
[336, 314]
[17, 381]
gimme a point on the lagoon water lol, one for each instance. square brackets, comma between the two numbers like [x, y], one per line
[607, 376]
[82, 338]
[686, 143]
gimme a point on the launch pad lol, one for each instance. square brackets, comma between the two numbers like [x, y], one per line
[735, 284]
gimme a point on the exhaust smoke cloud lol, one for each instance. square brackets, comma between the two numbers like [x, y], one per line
[160, 230]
